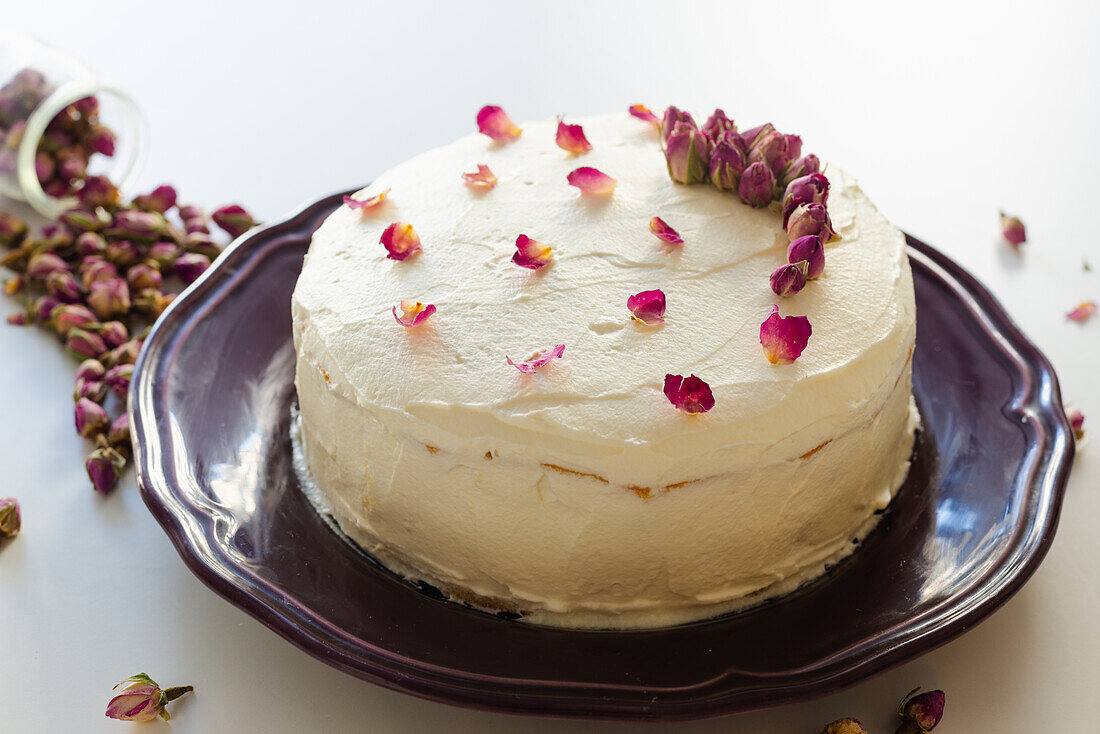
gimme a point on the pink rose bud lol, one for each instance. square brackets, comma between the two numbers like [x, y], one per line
[142, 700]
[64, 318]
[689, 394]
[804, 166]
[86, 106]
[233, 219]
[784, 338]
[671, 118]
[203, 244]
[44, 263]
[63, 286]
[70, 166]
[123, 253]
[10, 518]
[91, 369]
[90, 243]
[119, 434]
[159, 200]
[923, 710]
[82, 220]
[164, 254]
[95, 269]
[809, 249]
[812, 188]
[101, 140]
[136, 225]
[772, 148]
[142, 276]
[794, 146]
[844, 726]
[1077, 422]
[789, 279]
[56, 189]
[494, 122]
[648, 307]
[44, 166]
[726, 163]
[124, 354]
[104, 467]
[1013, 230]
[810, 219]
[91, 418]
[189, 266]
[42, 307]
[687, 153]
[114, 333]
[97, 191]
[18, 318]
[717, 125]
[12, 230]
[752, 135]
[109, 298]
[757, 185]
[93, 390]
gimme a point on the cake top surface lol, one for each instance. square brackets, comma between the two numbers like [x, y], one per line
[604, 395]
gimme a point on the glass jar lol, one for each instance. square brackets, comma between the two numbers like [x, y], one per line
[58, 123]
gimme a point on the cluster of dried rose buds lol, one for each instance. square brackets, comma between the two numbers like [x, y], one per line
[71, 138]
[98, 278]
[920, 713]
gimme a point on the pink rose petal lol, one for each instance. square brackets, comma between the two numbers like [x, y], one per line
[591, 181]
[538, 359]
[572, 139]
[689, 394]
[413, 313]
[647, 307]
[532, 254]
[366, 204]
[1083, 312]
[494, 122]
[483, 179]
[644, 113]
[400, 241]
[784, 339]
[664, 232]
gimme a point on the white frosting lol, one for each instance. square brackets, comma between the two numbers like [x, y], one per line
[600, 504]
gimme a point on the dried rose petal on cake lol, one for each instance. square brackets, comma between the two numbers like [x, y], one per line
[809, 249]
[483, 179]
[689, 394]
[647, 307]
[790, 278]
[1013, 230]
[400, 241]
[413, 313]
[591, 180]
[644, 113]
[538, 359]
[1077, 422]
[784, 338]
[572, 139]
[532, 254]
[664, 232]
[494, 122]
[365, 205]
[811, 219]
[1083, 312]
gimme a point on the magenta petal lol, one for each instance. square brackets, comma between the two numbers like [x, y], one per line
[538, 359]
[784, 339]
[591, 180]
[366, 204]
[532, 254]
[413, 313]
[483, 179]
[664, 232]
[644, 113]
[494, 122]
[400, 241]
[1083, 312]
[572, 138]
[689, 394]
[648, 307]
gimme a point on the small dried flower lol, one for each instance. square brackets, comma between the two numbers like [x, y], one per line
[139, 226]
[109, 298]
[42, 307]
[811, 188]
[122, 253]
[483, 179]
[789, 279]
[126, 353]
[400, 241]
[90, 243]
[413, 313]
[494, 122]
[141, 699]
[44, 263]
[12, 230]
[95, 269]
[365, 205]
[538, 359]
[752, 136]
[804, 166]
[94, 390]
[201, 243]
[142, 276]
[91, 369]
[10, 518]
[844, 726]
[119, 434]
[921, 712]
[114, 333]
[1077, 422]
[159, 200]
[190, 265]
[164, 254]
[784, 338]
[717, 125]
[647, 307]
[809, 249]
[90, 417]
[44, 166]
[645, 114]
[63, 286]
[83, 344]
[571, 138]
[19, 318]
[233, 219]
[1083, 312]
[118, 379]
[591, 181]
[687, 153]
[757, 185]
[104, 467]
[772, 149]
[82, 220]
[811, 219]
[1013, 230]
[664, 232]
[532, 254]
[727, 162]
[672, 117]
[101, 140]
[97, 191]
[64, 318]
[689, 394]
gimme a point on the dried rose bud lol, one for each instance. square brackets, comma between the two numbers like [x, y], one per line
[82, 220]
[101, 140]
[159, 200]
[56, 189]
[784, 338]
[142, 276]
[95, 269]
[142, 700]
[90, 243]
[97, 191]
[191, 211]
[717, 125]
[812, 188]
[844, 726]
[94, 390]
[809, 249]
[190, 265]
[109, 298]
[91, 369]
[44, 167]
[42, 307]
[726, 163]
[125, 354]
[1077, 422]
[1013, 230]
[119, 434]
[122, 253]
[10, 518]
[19, 318]
[14, 284]
[804, 166]
[86, 106]
[66, 317]
[233, 219]
[202, 243]
[789, 279]
[63, 286]
[647, 307]
[91, 418]
[118, 379]
[672, 117]
[811, 219]
[12, 230]
[752, 135]
[114, 333]
[757, 185]
[71, 165]
[687, 153]
[773, 149]
[922, 712]
[104, 466]
[164, 254]
[44, 263]
[138, 225]
[152, 302]
[689, 394]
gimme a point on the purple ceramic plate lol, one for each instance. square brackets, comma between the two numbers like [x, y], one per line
[210, 412]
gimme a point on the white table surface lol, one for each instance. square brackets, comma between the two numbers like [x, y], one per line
[946, 113]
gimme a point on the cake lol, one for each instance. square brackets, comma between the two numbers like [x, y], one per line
[577, 492]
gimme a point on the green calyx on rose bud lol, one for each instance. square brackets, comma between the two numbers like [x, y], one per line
[141, 699]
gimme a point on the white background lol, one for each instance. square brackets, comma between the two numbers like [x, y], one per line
[946, 112]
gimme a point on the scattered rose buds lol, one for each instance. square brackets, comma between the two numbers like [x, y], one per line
[784, 338]
[532, 254]
[591, 181]
[844, 726]
[413, 313]
[400, 241]
[689, 394]
[645, 114]
[118, 379]
[10, 519]
[757, 185]
[160, 200]
[727, 163]
[482, 179]
[717, 125]
[538, 359]
[648, 307]
[189, 266]
[365, 205]
[104, 467]
[810, 219]
[141, 699]
[921, 713]
[810, 189]
[664, 232]
[789, 279]
[91, 418]
[1083, 312]
[494, 122]
[808, 248]
[1077, 421]
[233, 219]
[119, 434]
[1013, 230]
[571, 138]
[687, 151]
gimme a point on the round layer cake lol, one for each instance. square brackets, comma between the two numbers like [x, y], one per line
[578, 495]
